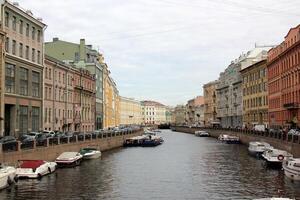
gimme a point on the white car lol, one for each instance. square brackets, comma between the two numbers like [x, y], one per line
[35, 168]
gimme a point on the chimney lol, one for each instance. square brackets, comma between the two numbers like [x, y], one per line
[82, 52]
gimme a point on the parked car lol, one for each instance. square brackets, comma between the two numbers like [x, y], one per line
[9, 142]
[8, 139]
[294, 132]
[49, 133]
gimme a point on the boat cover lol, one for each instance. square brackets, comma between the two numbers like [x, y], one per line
[33, 164]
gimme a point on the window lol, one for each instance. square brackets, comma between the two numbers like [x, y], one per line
[14, 43]
[50, 93]
[39, 36]
[6, 19]
[39, 57]
[23, 81]
[33, 33]
[10, 78]
[50, 74]
[21, 27]
[27, 30]
[7, 44]
[21, 50]
[33, 55]
[46, 115]
[49, 115]
[35, 84]
[27, 52]
[14, 23]
[35, 118]
[23, 124]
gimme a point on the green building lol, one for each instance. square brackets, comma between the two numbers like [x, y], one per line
[81, 56]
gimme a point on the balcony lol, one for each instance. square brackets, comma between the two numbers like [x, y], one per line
[289, 106]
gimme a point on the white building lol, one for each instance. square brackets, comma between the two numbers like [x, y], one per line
[153, 112]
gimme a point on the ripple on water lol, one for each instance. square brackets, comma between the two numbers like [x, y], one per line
[184, 167]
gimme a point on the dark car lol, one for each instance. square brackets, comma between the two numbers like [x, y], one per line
[9, 143]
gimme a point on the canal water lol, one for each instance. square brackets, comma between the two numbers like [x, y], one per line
[184, 167]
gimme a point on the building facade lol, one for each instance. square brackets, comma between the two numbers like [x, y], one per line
[24, 55]
[84, 102]
[58, 95]
[255, 94]
[229, 88]
[210, 103]
[131, 111]
[180, 114]
[284, 81]
[81, 56]
[194, 110]
[111, 100]
[153, 112]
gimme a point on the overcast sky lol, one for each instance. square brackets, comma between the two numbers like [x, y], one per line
[165, 50]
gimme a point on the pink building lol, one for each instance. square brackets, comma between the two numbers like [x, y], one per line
[58, 95]
[84, 100]
[69, 97]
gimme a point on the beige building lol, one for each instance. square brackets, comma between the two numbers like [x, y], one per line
[195, 111]
[210, 103]
[130, 111]
[153, 112]
[111, 100]
[255, 94]
[180, 114]
[24, 55]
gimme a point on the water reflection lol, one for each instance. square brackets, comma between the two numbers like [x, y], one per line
[184, 167]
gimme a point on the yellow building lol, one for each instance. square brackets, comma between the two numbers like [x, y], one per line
[111, 99]
[131, 111]
[210, 103]
[255, 94]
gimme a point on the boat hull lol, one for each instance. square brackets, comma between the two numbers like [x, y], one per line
[291, 174]
[7, 177]
[232, 141]
[92, 156]
[256, 154]
[273, 164]
[63, 164]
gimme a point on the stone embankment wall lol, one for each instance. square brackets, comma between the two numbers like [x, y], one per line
[51, 152]
[279, 141]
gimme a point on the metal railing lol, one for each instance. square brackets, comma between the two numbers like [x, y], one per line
[18, 146]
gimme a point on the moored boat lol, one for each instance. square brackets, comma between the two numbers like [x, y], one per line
[69, 159]
[202, 134]
[90, 153]
[134, 141]
[257, 148]
[274, 157]
[229, 139]
[152, 141]
[35, 168]
[291, 168]
[7, 176]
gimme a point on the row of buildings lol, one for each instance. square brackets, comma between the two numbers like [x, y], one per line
[261, 87]
[192, 113]
[59, 85]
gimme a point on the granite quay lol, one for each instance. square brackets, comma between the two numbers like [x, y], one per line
[290, 143]
[50, 148]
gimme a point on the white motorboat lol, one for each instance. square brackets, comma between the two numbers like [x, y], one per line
[292, 168]
[229, 139]
[257, 148]
[35, 168]
[69, 159]
[7, 176]
[148, 132]
[90, 153]
[275, 157]
[202, 134]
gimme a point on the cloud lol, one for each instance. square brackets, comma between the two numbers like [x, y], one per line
[166, 49]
